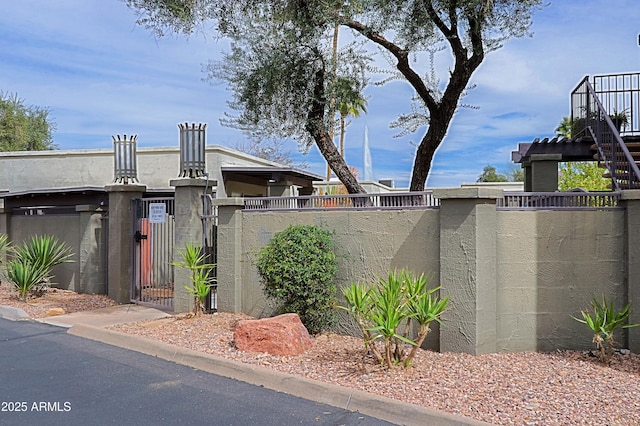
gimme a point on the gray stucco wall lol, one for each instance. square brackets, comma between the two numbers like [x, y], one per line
[550, 266]
[94, 167]
[83, 233]
[368, 243]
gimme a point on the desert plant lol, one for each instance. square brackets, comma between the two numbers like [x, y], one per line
[297, 269]
[25, 276]
[194, 259]
[46, 251]
[604, 322]
[30, 267]
[4, 246]
[386, 311]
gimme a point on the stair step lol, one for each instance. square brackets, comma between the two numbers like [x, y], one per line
[632, 146]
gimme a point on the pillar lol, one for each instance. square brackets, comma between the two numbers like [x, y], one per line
[91, 256]
[541, 173]
[468, 268]
[120, 270]
[229, 254]
[188, 229]
[631, 202]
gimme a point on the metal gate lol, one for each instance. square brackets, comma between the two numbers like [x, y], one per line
[209, 243]
[152, 281]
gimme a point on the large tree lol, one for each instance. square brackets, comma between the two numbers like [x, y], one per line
[24, 128]
[282, 73]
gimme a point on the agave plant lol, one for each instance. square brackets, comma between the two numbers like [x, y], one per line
[604, 321]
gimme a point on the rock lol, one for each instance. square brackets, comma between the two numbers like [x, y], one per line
[55, 311]
[281, 335]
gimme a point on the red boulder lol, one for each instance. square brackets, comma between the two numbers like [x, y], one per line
[281, 335]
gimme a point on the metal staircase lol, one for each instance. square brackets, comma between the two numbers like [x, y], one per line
[595, 112]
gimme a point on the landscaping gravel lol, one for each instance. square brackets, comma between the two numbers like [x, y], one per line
[559, 388]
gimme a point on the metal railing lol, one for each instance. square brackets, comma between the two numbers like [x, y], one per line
[559, 201]
[383, 201]
[591, 119]
[209, 220]
[620, 94]
[153, 252]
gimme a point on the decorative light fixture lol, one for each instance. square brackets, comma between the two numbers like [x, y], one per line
[125, 163]
[192, 144]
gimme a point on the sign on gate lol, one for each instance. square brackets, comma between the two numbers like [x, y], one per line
[157, 212]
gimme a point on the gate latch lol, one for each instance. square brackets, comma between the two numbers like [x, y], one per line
[139, 236]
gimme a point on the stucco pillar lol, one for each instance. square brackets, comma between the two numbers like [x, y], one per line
[188, 229]
[631, 201]
[90, 257]
[541, 173]
[468, 268]
[121, 240]
[280, 189]
[5, 217]
[229, 265]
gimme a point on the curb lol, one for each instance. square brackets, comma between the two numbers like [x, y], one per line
[337, 396]
[13, 314]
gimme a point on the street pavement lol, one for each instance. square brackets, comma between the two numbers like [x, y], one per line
[70, 370]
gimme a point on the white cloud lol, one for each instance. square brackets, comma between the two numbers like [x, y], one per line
[102, 75]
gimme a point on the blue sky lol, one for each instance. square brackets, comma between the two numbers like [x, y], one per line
[102, 75]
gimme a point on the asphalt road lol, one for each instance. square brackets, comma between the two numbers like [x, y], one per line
[50, 377]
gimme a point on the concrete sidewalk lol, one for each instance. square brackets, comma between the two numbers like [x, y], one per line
[91, 325]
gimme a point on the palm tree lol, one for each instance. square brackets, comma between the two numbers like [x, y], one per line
[350, 102]
[565, 127]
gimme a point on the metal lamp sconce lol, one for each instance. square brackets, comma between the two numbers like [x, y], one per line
[125, 162]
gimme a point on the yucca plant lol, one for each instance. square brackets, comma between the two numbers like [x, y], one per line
[604, 322]
[45, 250]
[30, 266]
[194, 259]
[4, 246]
[386, 310]
[25, 276]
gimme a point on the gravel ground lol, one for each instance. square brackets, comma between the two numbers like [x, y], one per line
[560, 388]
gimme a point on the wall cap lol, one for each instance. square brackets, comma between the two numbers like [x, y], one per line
[630, 194]
[227, 202]
[468, 193]
[125, 188]
[186, 181]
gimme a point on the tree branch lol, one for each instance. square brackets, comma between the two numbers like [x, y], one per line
[402, 57]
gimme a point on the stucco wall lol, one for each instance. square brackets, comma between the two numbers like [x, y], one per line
[66, 229]
[94, 167]
[368, 243]
[550, 264]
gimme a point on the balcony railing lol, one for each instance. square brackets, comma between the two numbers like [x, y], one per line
[384, 201]
[559, 201]
[591, 119]
[620, 93]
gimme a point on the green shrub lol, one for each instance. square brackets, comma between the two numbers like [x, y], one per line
[604, 321]
[386, 310]
[193, 258]
[297, 269]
